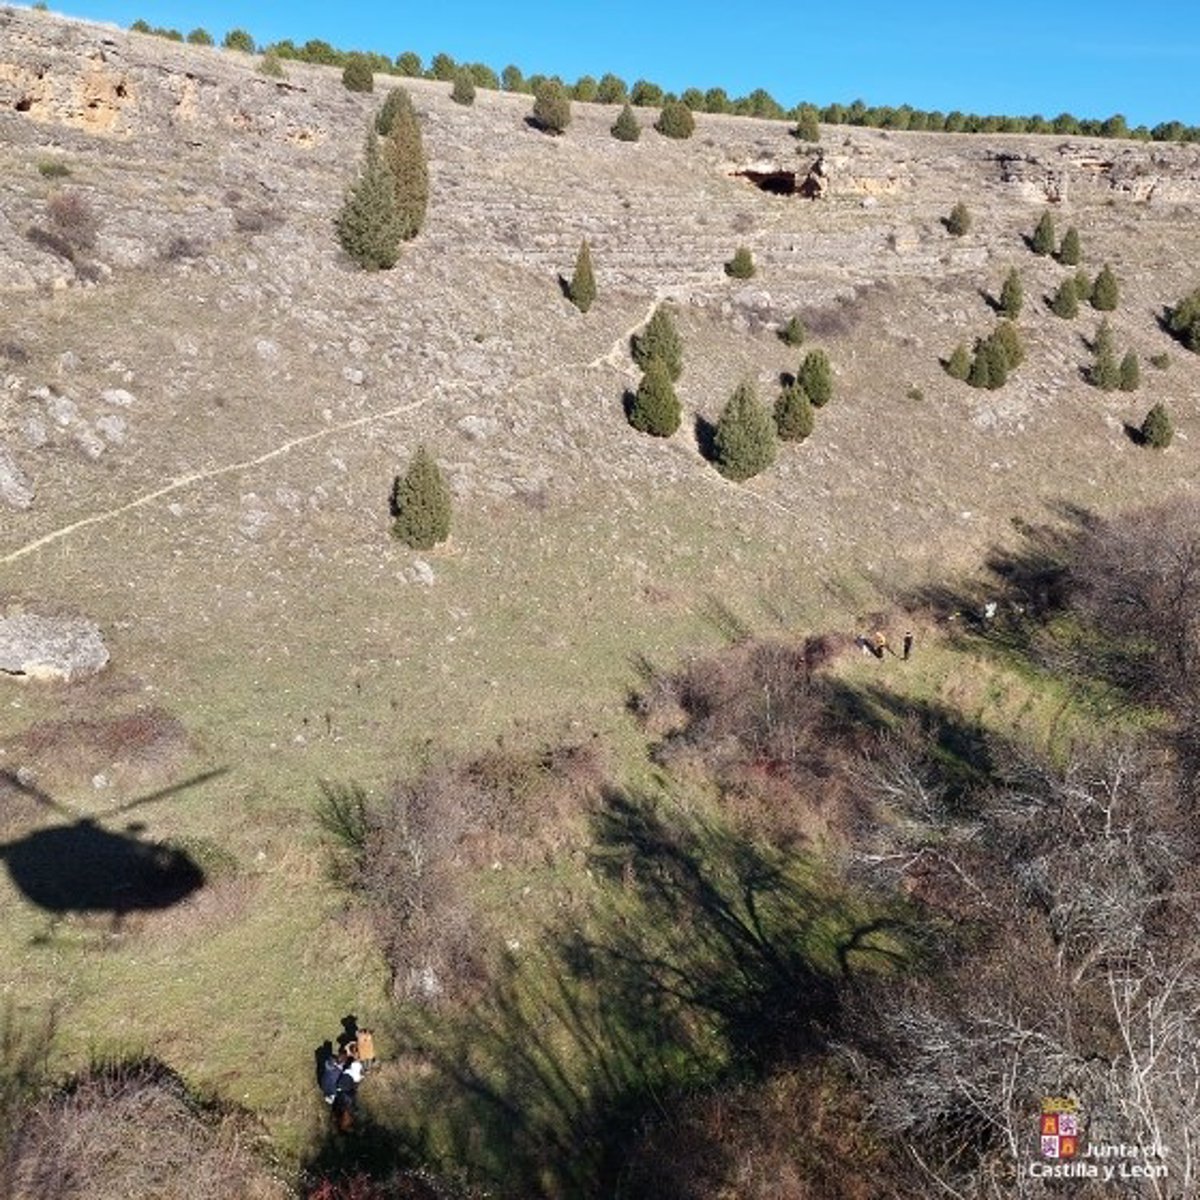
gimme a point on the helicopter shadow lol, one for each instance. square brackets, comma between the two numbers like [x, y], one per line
[83, 868]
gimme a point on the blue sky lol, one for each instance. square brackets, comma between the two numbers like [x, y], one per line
[1019, 57]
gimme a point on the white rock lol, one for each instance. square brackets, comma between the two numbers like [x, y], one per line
[117, 396]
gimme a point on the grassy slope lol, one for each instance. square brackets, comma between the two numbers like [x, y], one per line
[292, 647]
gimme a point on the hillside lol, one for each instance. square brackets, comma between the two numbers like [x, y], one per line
[198, 433]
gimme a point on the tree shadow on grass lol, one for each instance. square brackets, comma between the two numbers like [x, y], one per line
[704, 958]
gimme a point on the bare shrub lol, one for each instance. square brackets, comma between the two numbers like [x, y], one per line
[135, 1129]
[257, 220]
[47, 239]
[758, 719]
[412, 859]
[789, 1137]
[73, 219]
[182, 247]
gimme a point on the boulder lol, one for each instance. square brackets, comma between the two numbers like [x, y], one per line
[54, 648]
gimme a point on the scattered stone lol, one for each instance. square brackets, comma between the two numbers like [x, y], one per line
[15, 489]
[117, 396]
[34, 432]
[68, 360]
[421, 572]
[266, 349]
[112, 427]
[354, 375]
[61, 410]
[90, 442]
[50, 648]
[477, 428]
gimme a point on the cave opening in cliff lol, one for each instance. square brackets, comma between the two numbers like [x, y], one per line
[775, 183]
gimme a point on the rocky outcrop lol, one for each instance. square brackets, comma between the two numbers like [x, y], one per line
[51, 648]
[15, 489]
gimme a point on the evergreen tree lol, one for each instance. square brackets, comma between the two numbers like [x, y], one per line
[741, 265]
[1008, 337]
[1043, 235]
[958, 365]
[793, 333]
[463, 91]
[626, 128]
[959, 220]
[1066, 300]
[200, 37]
[272, 66]
[980, 374]
[421, 504]
[997, 361]
[794, 415]
[512, 79]
[404, 153]
[816, 377]
[1102, 343]
[1131, 373]
[1105, 373]
[655, 409]
[368, 226]
[443, 67]
[659, 340]
[1105, 294]
[1083, 286]
[807, 127]
[239, 39]
[675, 120]
[582, 288]
[1184, 320]
[645, 94]
[585, 89]
[1012, 295]
[357, 75]
[745, 439]
[1069, 253]
[552, 106]
[409, 65]
[1157, 430]
[611, 90]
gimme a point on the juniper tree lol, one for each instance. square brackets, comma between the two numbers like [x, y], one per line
[675, 120]
[958, 365]
[1069, 252]
[611, 90]
[552, 106]
[1131, 374]
[1012, 295]
[745, 440]
[1083, 286]
[793, 333]
[794, 415]
[980, 375]
[1105, 294]
[1066, 300]
[409, 65]
[659, 340]
[816, 377]
[368, 226]
[1157, 430]
[741, 265]
[626, 128]
[1043, 235]
[1008, 337]
[404, 153]
[655, 408]
[1105, 373]
[959, 220]
[463, 91]
[582, 289]
[1184, 320]
[998, 366]
[1103, 343]
[420, 503]
[807, 127]
[357, 75]
[238, 39]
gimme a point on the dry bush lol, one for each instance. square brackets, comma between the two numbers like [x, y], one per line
[760, 720]
[795, 1136]
[401, 1185]
[73, 219]
[412, 859]
[134, 1129]
[144, 743]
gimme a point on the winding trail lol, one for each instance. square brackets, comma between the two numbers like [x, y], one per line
[183, 481]
[610, 357]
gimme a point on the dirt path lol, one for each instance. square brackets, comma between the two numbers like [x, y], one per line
[610, 357]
